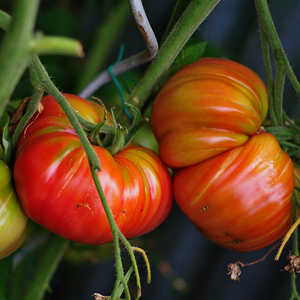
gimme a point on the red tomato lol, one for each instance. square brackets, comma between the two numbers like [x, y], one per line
[207, 108]
[242, 199]
[56, 189]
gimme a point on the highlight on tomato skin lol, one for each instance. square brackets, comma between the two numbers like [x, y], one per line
[62, 197]
[207, 108]
[241, 200]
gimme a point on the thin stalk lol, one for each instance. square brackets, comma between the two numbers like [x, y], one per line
[46, 267]
[281, 60]
[190, 20]
[132, 257]
[115, 234]
[291, 75]
[15, 50]
[278, 93]
[269, 76]
[45, 83]
[291, 123]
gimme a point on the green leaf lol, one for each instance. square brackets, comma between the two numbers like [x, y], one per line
[189, 54]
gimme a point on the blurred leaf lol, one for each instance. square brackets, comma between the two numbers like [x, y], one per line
[5, 275]
[56, 21]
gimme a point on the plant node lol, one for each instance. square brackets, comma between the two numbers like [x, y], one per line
[293, 264]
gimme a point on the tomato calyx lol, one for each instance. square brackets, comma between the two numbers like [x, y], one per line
[116, 137]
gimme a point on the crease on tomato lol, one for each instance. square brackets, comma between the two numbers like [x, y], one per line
[71, 173]
[233, 154]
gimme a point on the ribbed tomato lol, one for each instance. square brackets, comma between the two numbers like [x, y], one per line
[242, 199]
[56, 189]
[207, 108]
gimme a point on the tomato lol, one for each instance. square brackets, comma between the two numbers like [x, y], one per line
[207, 108]
[242, 199]
[55, 185]
[13, 220]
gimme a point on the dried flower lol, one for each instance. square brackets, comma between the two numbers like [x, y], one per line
[234, 271]
[293, 264]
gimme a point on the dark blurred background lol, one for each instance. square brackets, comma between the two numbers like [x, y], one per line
[185, 265]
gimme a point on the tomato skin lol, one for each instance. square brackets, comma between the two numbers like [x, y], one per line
[207, 108]
[13, 220]
[242, 199]
[61, 196]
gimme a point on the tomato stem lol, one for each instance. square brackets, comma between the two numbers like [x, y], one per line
[15, 50]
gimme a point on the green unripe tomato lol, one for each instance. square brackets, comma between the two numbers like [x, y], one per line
[13, 220]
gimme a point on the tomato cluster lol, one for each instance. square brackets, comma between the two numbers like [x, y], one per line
[233, 181]
[55, 185]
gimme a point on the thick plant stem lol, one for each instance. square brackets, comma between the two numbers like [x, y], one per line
[180, 6]
[46, 267]
[15, 50]
[190, 20]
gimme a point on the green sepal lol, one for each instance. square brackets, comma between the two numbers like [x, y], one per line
[118, 142]
[137, 123]
[116, 137]
[95, 134]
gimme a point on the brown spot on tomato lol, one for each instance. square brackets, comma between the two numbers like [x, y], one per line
[79, 205]
[236, 242]
[203, 209]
